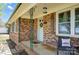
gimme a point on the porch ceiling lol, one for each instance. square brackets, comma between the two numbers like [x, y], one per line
[20, 11]
[23, 10]
[51, 7]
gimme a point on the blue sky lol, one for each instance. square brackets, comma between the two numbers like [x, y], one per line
[7, 12]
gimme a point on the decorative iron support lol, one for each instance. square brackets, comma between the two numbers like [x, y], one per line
[19, 30]
[9, 28]
[31, 28]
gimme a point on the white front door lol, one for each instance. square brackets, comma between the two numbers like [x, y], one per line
[40, 30]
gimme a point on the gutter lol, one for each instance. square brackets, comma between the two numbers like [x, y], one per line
[17, 6]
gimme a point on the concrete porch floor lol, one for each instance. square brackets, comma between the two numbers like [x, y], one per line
[38, 49]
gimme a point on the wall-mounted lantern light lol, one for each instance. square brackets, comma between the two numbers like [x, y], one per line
[44, 10]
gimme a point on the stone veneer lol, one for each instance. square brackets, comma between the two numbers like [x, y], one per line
[49, 23]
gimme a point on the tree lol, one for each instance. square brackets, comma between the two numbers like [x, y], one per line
[2, 24]
[2, 7]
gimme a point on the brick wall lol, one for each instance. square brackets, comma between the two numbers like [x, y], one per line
[49, 36]
[14, 35]
[49, 30]
[24, 29]
[75, 41]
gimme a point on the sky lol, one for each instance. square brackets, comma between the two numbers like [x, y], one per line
[6, 14]
[7, 11]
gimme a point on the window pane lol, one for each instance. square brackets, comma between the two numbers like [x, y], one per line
[77, 14]
[64, 22]
[76, 27]
[77, 21]
[64, 17]
[64, 28]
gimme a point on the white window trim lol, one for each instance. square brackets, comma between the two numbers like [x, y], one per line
[72, 21]
[15, 26]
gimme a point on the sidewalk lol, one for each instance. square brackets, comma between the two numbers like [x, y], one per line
[4, 49]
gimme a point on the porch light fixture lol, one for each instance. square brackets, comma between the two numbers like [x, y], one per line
[44, 10]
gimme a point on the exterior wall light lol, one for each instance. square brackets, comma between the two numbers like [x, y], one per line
[44, 10]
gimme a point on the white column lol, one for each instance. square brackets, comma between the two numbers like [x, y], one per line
[56, 24]
[72, 21]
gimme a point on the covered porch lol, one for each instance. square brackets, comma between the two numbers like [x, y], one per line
[33, 27]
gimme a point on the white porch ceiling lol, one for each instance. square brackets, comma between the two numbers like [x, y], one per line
[23, 10]
[51, 7]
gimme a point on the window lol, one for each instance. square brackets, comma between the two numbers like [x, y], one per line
[13, 27]
[64, 23]
[77, 21]
[67, 22]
